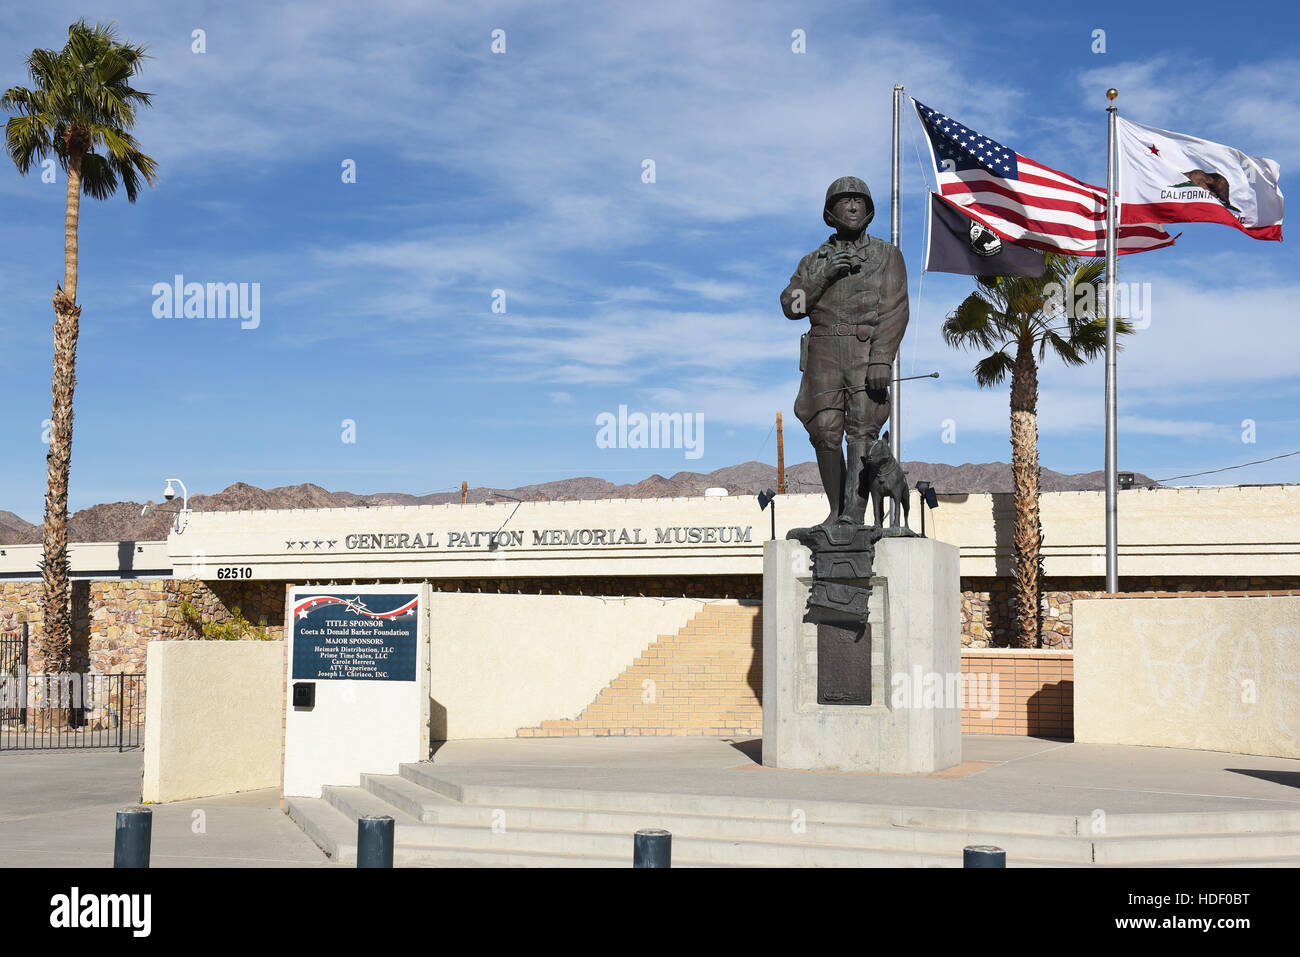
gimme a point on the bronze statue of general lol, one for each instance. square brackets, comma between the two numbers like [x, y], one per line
[853, 289]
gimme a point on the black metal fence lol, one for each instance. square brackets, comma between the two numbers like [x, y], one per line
[13, 662]
[54, 712]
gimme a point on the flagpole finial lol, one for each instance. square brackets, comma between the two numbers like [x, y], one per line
[1111, 94]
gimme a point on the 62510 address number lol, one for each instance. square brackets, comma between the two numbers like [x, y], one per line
[235, 572]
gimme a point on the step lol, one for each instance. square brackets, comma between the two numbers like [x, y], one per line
[420, 803]
[710, 827]
[1201, 822]
[1199, 847]
[697, 837]
[733, 806]
[1248, 862]
[437, 819]
[1179, 825]
[463, 856]
[458, 846]
[355, 803]
[334, 833]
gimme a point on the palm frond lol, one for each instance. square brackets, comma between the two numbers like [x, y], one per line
[993, 369]
[974, 324]
[27, 141]
[84, 92]
[98, 178]
[1007, 310]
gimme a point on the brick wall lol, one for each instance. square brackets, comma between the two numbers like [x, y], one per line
[706, 679]
[1018, 692]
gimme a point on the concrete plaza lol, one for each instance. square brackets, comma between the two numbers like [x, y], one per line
[998, 773]
[57, 809]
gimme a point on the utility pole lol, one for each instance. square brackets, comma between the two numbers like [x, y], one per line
[464, 491]
[780, 457]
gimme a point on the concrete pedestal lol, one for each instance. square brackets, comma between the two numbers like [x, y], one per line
[913, 724]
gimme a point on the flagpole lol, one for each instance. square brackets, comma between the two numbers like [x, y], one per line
[1112, 477]
[895, 433]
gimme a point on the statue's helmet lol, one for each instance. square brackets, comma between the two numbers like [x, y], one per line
[847, 186]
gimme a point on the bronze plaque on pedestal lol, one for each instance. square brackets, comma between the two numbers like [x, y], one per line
[844, 663]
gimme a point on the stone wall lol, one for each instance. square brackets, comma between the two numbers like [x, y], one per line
[987, 619]
[113, 621]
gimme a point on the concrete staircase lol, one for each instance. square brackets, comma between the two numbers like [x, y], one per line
[440, 823]
[706, 679]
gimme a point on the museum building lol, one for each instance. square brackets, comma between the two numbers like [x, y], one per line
[644, 617]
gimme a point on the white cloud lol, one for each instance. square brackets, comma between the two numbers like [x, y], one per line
[1254, 107]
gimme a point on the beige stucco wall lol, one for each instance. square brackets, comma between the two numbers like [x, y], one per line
[1229, 531]
[1172, 532]
[1218, 674]
[213, 718]
[87, 559]
[498, 663]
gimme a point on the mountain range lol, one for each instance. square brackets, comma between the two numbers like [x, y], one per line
[122, 521]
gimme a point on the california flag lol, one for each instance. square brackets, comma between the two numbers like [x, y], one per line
[1174, 178]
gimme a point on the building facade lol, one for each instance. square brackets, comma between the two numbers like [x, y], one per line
[644, 616]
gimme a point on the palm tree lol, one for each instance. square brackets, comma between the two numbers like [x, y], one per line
[1011, 318]
[80, 109]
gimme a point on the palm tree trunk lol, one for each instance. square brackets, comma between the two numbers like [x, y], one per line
[56, 638]
[1024, 468]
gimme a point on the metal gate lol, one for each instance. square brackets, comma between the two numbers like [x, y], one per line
[67, 711]
[13, 670]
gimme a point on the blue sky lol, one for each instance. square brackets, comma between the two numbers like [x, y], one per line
[522, 171]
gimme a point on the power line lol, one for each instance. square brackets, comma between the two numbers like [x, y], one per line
[1229, 468]
[764, 445]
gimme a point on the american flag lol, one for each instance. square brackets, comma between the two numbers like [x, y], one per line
[1023, 201]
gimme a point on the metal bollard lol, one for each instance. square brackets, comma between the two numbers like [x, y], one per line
[983, 855]
[375, 841]
[132, 837]
[652, 847]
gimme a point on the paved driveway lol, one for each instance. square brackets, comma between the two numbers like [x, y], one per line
[57, 810]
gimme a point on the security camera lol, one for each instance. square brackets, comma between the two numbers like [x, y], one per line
[169, 493]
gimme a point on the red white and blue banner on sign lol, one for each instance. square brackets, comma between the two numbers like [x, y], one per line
[1022, 201]
[305, 606]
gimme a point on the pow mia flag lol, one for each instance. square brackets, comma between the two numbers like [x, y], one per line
[960, 244]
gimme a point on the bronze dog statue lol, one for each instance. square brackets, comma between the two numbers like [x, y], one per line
[885, 477]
